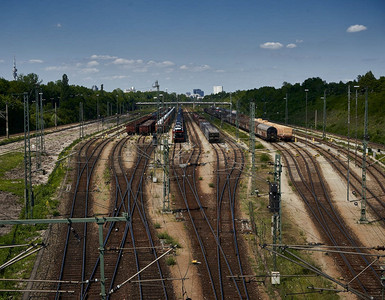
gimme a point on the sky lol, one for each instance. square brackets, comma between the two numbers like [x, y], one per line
[186, 45]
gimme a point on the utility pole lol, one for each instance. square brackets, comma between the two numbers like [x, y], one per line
[306, 90]
[97, 110]
[363, 218]
[55, 115]
[81, 132]
[42, 145]
[275, 194]
[286, 111]
[28, 192]
[237, 121]
[324, 117]
[6, 118]
[252, 145]
[38, 149]
[347, 190]
[355, 155]
[166, 177]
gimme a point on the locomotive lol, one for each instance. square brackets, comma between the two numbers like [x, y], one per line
[178, 132]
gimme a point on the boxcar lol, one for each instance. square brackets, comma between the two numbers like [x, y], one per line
[147, 127]
[210, 132]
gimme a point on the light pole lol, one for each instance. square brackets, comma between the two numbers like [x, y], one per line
[306, 90]
[355, 155]
[97, 109]
[347, 191]
[324, 116]
[286, 110]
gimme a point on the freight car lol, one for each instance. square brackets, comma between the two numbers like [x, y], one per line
[164, 122]
[178, 132]
[210, 132]
[133, 126]
[264, 131]
[147, 127]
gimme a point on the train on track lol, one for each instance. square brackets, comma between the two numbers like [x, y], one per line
[210, 132]
[165, 122]
[148, 124]
[266, 130]
[179, 132]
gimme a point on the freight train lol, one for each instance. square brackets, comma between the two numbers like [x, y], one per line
[266, 130]
[179, 132]
[147, 124]
[210, 132]
[164, 122]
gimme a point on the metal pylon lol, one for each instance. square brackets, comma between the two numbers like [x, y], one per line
[28, 192]
[252, 145]
[277, 224]
[37, 133]
[166, 177]
[363, 218]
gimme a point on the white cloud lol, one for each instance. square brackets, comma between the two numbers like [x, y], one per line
[356, 28]
[58, 25]
[193, 68]
[35, 61]
[165, 63]
[291, 46]
[92, 63]
[1, 60]
[271, 45]
[299, 41]
[88, 71]
[115, 77]
[57, 68]
[104, 57]
[123, 61]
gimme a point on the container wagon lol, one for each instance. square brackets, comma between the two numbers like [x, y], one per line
[210, 132]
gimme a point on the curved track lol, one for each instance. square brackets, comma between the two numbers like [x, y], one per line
[305, 175]
[213, 221]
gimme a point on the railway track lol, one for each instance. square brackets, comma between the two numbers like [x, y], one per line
[212, 222]
[360, 275]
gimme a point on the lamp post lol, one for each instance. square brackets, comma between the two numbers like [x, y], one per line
[97, 109]
[286, 110]
[306, 90]
[324, 116]
[348, 174]
[355, 154]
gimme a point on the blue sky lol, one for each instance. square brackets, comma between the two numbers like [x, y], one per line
[240, 44]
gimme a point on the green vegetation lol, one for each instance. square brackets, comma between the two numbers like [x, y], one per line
[45, 204]
[67, 98]
[270, 104]
[169, 239]
[170, 261]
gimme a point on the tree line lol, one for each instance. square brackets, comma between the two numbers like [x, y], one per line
[271, 104]
[66, 97]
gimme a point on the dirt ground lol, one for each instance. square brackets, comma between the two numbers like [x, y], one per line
[190, 286]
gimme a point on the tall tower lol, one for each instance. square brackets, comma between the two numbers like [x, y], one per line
[14, 69]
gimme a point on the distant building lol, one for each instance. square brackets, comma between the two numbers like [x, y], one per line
[188, 94]
[218, 89]
[130, 90]
[94, 88]
[198, 92]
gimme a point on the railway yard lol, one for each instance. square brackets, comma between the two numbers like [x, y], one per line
[195, 228]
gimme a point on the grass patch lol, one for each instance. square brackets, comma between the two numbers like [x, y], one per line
[169, 239]
[170, 261]
[46, 204]
[157, 225]
[211, 184]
